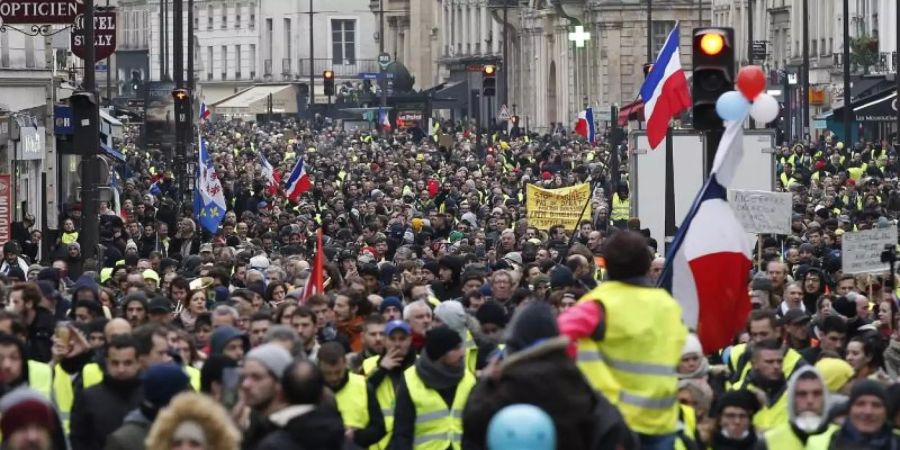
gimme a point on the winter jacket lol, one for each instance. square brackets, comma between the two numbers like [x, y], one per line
[305, 427]
[132, 433]
[99, 410]
[39, 333]
[584, 420]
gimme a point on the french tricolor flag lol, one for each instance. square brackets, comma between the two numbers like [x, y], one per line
[204, 111]
[384, 120]
[268, 172]
[665, 92]
[708, 263]
[298, 182]
[585, 125]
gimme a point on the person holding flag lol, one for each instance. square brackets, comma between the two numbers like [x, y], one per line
[298, 182]
[209, 198]
[585, 125]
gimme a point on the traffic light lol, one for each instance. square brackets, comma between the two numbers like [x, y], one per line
[489, 81]
[182, 105]
[713, 62]
[328, 76]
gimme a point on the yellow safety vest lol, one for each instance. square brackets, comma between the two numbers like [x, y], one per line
[62, 395]
[688, 436]
[621, 208]
[771, 416]
[353, 402]
[821, 441]
[634, 364]
[69, 238]
[387, 401]
[791, 359]
[782, 437]
[92, 375]
[856, 172]
[437, 426]
[471, 355]
[40, 377]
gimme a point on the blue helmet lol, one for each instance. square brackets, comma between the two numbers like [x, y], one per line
[521, 427]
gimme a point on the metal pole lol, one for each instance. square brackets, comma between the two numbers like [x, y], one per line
[649, 31]
[897, 76]
[162, 42]
[788, 118]
[90, 167]
[805, 99]
[382, 82]
[699, 13]
[190, 72]
[750, 45]
[165, 37]
[848, 111]
[108, 74]
[312, 60]
[181, 120]
[506, 65]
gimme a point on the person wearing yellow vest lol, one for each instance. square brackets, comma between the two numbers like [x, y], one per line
[16, 371]
[787, 177]
[762, 325]
[385, 373]
[621, 206]
[453, 314]
[868, 424]
[433, 395]
[766, 376]
[632, 358]
[363, 421]
[100, 409]
[807, 410]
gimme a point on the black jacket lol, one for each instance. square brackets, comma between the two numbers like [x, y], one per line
[99, 411]
[40, 332]
[405, 416]
[375, 430]
[319, 429]
[584, 420]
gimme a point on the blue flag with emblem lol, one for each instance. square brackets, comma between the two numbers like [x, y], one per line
[209, 199]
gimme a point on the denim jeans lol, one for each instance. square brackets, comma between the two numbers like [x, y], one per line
[657, 442]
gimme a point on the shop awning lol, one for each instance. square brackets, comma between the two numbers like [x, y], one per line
[108, 150]
[110, 126]
[881, 107]
[254, 100]
[631, 111]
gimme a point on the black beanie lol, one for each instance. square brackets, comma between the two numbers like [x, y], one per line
[441, 340]
[532, 323]
[742, 399]
[863, 388]
[491, 312]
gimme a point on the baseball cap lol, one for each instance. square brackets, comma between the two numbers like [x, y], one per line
[794, 317]
[207, 247]
[395, 325]
[159, 305]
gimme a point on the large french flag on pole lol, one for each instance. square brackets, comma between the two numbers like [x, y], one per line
[708, 263]
[665, 92]
[585, 125]
[298, 182]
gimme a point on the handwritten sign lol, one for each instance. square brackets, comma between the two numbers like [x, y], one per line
[548, 207]
[861, 250]
[762, 211]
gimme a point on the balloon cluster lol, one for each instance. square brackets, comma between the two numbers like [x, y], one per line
[751, 84]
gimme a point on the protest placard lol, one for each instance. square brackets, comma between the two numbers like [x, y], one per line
[762, 211]
[861, 250]
[548, 207]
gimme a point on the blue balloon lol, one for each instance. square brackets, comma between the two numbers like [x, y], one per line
[732, 106]
[521, 427]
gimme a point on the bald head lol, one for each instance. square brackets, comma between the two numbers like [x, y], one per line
[116, 327]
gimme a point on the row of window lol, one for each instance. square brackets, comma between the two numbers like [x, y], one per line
[225, 20]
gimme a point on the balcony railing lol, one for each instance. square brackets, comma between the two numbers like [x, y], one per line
[348, 70]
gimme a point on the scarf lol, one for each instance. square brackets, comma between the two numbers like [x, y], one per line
[438, 376]
[188, 320]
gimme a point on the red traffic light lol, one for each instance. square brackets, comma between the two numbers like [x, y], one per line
[489, 70]
[180, 94]
[328, 75]
[712, 43]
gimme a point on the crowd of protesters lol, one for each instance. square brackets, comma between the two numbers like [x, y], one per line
[441, 306]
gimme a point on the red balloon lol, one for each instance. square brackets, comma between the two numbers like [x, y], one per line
[751, 81]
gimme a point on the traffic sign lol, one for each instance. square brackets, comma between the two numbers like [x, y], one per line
[369, 75]
[504, 113]
[104, 35]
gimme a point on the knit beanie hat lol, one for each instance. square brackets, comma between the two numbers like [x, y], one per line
[742, 399]
[273, 356]
[862, 388]
[24, 413]
[452, 314]
[440, 341]
[161, 382]
[835, 371]
[692, 346]
[491, 312]
[533, 323]
[390, 301]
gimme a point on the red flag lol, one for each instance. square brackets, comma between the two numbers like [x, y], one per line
[316, 282]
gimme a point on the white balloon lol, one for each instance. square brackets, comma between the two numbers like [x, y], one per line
[765, 108]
